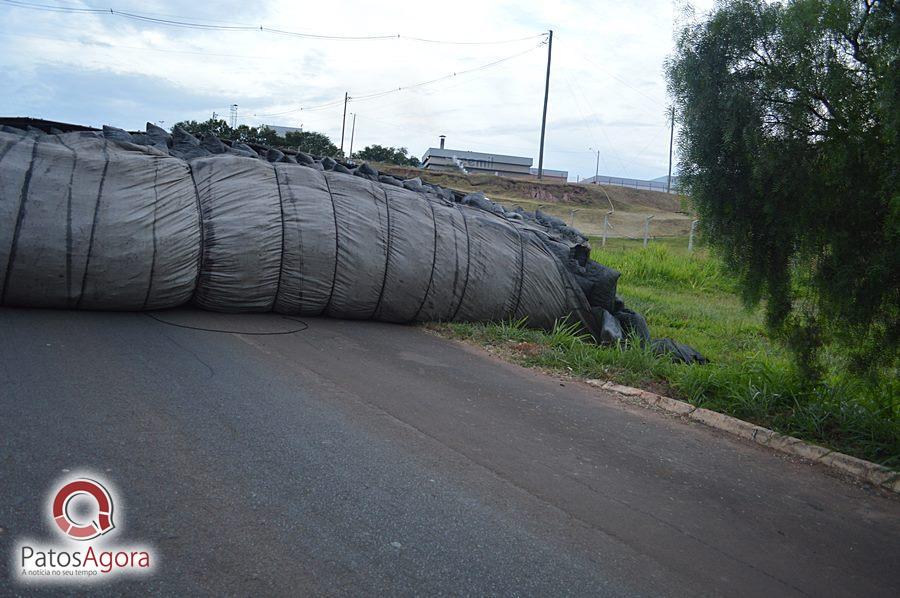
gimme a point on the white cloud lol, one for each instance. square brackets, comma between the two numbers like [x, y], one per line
[607, 85]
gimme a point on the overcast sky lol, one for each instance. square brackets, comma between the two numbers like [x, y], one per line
[607, 89]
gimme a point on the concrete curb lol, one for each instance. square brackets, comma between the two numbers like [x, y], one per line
[865, 471]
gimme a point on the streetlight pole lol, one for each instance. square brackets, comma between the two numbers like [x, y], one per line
[596, 166]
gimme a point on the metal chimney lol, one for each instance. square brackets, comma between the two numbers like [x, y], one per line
[442, 141]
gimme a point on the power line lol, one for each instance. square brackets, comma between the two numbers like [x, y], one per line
[180, 23]
[210, 26]
[600, 127]
[653, 140]
[301, 109]
[585, 119]
[457, 43]
[107, 45]
[580, 109]
[406, 100]
[623, 81]
[51, 8]
[379, 94]
[445, 77]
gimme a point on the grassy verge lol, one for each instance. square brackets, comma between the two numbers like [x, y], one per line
[689, 298]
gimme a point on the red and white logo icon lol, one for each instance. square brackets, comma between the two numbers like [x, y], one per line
[81, 508]
[99, 502]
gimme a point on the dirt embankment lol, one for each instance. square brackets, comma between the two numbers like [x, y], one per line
[509, 189]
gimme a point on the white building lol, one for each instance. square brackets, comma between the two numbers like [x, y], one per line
[469, 162]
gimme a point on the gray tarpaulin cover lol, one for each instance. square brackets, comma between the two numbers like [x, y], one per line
[95, 224]
[111, 220]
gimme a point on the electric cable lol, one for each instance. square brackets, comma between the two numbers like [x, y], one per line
[305, 326]
[379, 94]
[208, 26]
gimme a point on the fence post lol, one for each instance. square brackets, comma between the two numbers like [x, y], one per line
[647, 229]
[691, 238]
[605, 227]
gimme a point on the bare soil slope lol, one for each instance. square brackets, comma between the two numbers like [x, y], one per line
[622, 198]
[629, 207]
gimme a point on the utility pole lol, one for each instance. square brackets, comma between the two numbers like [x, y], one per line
[597, 170]
[352, 133]
[671, 139]
[344, 120]
[546, 96]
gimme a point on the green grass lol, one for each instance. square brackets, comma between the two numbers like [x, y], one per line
[689, 298]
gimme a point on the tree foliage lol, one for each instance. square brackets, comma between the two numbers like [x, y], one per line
[790, 113]
[217, 127]
[377, 153]
[306, 141]
[311, 143]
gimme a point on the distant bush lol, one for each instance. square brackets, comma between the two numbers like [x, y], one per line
[391, 155]
[305, 141]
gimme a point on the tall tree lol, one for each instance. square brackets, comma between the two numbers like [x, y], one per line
[790, 114]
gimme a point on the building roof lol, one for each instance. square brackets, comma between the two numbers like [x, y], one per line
[482, 157]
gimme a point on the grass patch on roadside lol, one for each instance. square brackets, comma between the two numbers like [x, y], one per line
[690, 298]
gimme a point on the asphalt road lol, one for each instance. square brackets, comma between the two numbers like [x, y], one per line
[357, 458]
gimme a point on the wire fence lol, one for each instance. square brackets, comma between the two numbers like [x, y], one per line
[632, 183]
[609, 233]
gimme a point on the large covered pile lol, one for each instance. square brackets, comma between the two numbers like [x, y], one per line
[139, 221]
